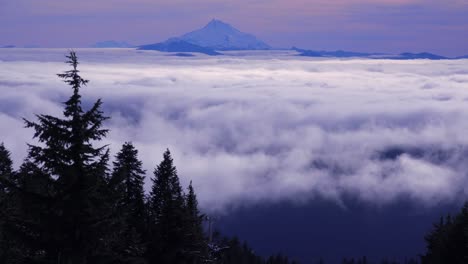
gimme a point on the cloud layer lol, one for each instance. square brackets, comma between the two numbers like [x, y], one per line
[269, 127]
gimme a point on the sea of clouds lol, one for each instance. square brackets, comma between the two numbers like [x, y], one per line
[267, 127]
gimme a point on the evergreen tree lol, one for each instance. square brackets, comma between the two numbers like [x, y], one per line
[6, 166]
[196, 246]
[73, 225]
[8, 248]
[127, 182]
[448, 241]
[6, 174]
[167, 215]
[33, 223]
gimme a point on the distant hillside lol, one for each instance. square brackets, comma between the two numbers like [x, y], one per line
[414, 56]
[350, 54]
[334, 54]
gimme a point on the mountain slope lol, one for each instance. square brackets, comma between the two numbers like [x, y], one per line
[423, 55]
[218, 35]
[178, 45]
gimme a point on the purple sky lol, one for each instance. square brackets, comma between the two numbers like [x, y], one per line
[360, 25]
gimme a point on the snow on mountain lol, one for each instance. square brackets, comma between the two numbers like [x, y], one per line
[218, 35]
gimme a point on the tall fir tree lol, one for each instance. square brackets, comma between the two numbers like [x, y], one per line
[8, 247]
[129, 198]
[167, 215]
[6, 174]
[196, 245]
[75, 195]
[6, 166]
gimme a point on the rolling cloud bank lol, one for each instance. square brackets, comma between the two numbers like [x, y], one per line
[269, 127]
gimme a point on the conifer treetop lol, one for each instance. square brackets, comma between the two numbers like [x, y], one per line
[69, 140]
[6, 164]
[72, 76]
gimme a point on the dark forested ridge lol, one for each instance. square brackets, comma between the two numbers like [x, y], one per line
[67, 205]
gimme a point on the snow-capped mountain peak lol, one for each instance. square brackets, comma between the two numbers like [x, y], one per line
[218, 25]
[222, 36]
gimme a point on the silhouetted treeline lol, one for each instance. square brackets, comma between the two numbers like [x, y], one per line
[446, 243]
[233, 251]
[448, 240]
[364, 260]
[65, 204]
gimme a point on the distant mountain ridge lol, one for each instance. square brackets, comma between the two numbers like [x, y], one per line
[414, 56]
[350, 54]
[335, 54]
